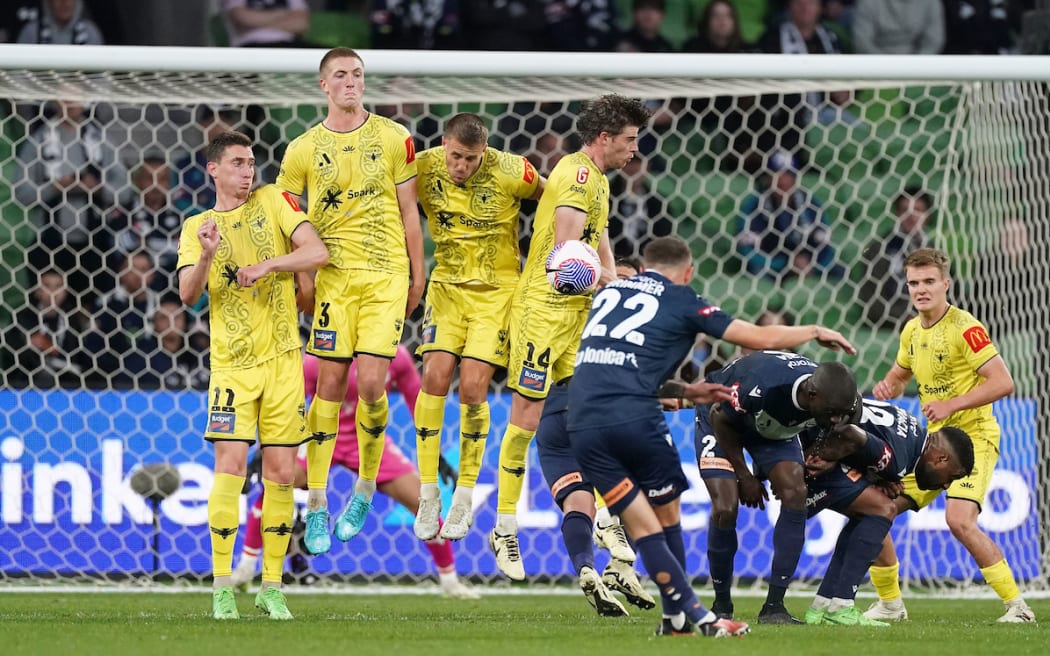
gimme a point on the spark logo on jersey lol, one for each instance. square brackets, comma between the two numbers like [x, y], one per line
[977, 338]
[221, 422]
[582, 174]
[324, 340]
[533, 379]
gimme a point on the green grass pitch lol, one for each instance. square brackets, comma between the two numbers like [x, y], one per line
[115, 624]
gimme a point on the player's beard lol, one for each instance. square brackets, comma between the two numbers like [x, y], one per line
[924, 476]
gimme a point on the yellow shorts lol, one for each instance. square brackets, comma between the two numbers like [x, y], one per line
[972, 488]
[267, 398]
[357, 311]
[469, 321]
[543, 342]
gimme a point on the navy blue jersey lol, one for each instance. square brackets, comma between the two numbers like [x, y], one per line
[895, 440]
[765, 390]
[636, 335]
[557, 400]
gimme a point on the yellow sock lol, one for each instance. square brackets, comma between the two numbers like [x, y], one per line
[223, 521]
[323, 421]
[278, 509]
[887, 581]
[430, 417]
[1001, 579]
[371, 435]
[474, 426]
[512, 453]
[599, 501]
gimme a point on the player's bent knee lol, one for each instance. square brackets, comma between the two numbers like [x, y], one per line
[723, 518]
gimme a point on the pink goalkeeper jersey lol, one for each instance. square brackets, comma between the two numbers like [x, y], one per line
[402, 377]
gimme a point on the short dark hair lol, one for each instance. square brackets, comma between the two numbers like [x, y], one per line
[835, 382]
[668, 251]
[468, 129]
[217, 147]
[914, 192]
[610, 113]
[629, 261]
[337, 53]
[960, 444]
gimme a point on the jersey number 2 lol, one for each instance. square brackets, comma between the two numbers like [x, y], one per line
[644, 309]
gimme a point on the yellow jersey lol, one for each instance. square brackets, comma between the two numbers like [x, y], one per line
[351, 182]
[578, 183]
[944, 359]
[475, 225]
[248, 325]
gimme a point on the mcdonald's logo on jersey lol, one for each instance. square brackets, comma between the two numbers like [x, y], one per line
[292, 201]
[410, 150]
[977, 338]
[530, 173]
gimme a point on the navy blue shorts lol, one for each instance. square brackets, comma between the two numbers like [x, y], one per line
[623, 460]
[712, 460]
[836, 489]
[560, 469]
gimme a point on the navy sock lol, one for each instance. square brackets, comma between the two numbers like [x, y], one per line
[576, 529]
[676, 594]
[673, 535]
[864, 546]
[788, 536]
[828, 585]
[721, 550]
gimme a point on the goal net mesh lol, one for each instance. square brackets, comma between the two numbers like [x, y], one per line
[101, 165]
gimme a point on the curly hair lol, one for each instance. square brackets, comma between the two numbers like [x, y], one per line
[610, 113]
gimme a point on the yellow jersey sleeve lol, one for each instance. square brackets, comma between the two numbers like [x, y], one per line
[189, 245]
[904, 351]
[295, 165]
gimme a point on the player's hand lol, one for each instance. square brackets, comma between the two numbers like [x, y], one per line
[249, 275]
[816, 465]
[833, 339]
[937, 410]
[208, 234]
[607, 276]
[415, 294]
[305, 291]
[884, 390]
[704, 393]
[752, 493]
[446, 472]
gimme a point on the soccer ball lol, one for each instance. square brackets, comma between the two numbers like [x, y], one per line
[573, 267]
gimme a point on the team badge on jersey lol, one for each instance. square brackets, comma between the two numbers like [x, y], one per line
[533, 379]
[221, 422]
[582, 174]
[324, 340]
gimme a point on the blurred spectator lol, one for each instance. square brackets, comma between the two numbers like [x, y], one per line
[898, 27]
[1002, 282]
[783, 229]
[840, 13]
[644, 34]
[518, 25]
[194, 189]
[415, 24]
[575, 25]
[638, 213]
[14, 16]
[527, 119]
[718, 30]
[548, 149]
[122, 317]
[884, 286]
[60, 22]
[147, 220]
[266, 23]
[161, 358]
[977, 27]
[47, 341]
[788, 115]
[68, 176]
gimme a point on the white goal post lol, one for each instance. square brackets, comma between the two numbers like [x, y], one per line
[969, 135]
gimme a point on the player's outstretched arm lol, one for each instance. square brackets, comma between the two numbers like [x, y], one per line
[893, 384]
[406, 201]
[747, 334]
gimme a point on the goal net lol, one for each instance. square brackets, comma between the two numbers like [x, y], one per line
[871, 157]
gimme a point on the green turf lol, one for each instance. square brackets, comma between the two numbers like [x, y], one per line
[117, 624]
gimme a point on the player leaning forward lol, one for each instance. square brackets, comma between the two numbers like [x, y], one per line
[241, 251]
[359, 171]
[545, 326]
